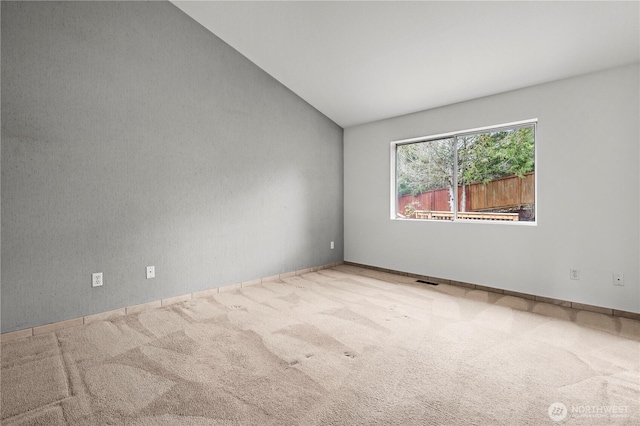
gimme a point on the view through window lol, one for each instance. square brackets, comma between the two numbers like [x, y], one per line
[486, 175]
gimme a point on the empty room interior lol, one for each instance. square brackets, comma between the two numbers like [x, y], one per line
[320, 213]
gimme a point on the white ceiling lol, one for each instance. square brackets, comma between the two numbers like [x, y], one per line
[362, 61]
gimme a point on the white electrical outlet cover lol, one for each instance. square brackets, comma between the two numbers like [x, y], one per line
[151, 272]
[96, 279]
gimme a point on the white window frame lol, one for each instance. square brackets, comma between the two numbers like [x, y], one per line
[454, 135]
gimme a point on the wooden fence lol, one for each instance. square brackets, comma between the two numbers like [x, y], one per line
[507, 193]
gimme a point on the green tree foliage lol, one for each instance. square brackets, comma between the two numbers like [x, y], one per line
[482, 157]
[488, 156]
[424, 166]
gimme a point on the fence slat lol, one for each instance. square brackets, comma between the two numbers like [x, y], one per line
[509, 192]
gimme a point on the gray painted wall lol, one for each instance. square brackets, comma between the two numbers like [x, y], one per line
[131, 136]
[588, 145]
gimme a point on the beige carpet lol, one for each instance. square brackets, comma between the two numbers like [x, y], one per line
[345, 346]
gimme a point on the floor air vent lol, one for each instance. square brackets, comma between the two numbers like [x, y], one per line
[426, 282]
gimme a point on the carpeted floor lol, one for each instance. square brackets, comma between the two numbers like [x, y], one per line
[344, 346]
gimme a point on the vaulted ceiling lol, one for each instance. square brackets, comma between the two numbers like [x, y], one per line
[362, 61]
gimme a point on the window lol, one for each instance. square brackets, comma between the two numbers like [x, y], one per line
[485, 174]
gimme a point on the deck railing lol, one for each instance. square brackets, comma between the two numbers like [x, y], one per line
[444, 215]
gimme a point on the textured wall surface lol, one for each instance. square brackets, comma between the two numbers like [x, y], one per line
[131, 136]
[587, 142]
